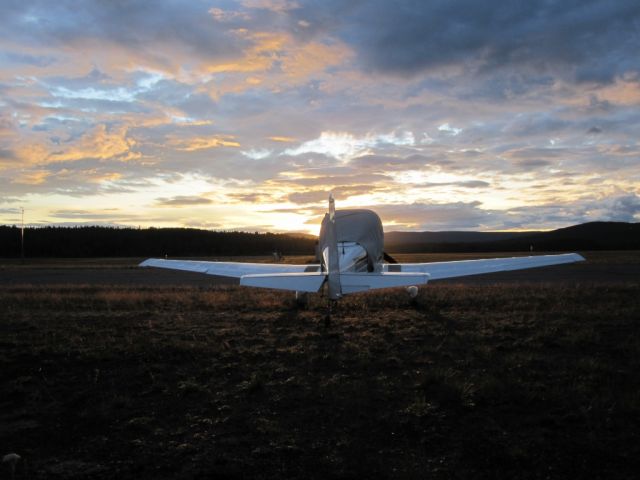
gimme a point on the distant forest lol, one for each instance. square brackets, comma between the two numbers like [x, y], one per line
[189, 242]
[586, 236]
[157, 242]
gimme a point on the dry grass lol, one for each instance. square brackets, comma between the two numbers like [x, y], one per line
[496, 382]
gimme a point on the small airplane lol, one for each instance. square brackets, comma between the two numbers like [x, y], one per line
[351, 259]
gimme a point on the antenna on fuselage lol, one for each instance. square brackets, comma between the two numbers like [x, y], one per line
[332, 208]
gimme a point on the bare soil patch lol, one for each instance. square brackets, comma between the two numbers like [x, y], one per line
[491, 381]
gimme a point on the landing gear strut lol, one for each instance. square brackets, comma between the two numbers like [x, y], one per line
[327, 317]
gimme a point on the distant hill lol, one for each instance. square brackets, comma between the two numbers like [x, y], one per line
[587, 236]
[185, 242]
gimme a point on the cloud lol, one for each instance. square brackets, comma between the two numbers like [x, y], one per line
[533, 163]
[463, 184]
[583, 39]
[339, 193]
[173, 28]
[254, 197]
[621, 208]
[114, 215]
[7, 156]
[384, 163]
[183, 201]
[101, 142]
[421, 216]
[203, 143]
[343, 145]
[282, 139]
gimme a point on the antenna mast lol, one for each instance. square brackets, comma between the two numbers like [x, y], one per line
[22, 235]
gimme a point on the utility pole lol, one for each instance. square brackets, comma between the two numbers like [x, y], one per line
[22, 236]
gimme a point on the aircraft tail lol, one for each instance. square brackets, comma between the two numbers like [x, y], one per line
[330, 253]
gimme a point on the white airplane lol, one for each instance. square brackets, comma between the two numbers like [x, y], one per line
[351, 259]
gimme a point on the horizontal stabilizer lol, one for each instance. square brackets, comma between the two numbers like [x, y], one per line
[299, 282]
[361, 282]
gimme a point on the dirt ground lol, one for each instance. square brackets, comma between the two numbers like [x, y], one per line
[499, 379]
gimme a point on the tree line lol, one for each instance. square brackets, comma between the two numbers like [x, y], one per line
[94, 241]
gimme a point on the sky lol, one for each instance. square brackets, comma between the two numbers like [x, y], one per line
[438, 115]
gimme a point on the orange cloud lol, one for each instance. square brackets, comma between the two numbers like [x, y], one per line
[300, 62]
[35, 152]
[282, 139]
[622, 92]
[259, 57]
[33, 177]
[100, 143]
[274, 59]
[203, 143]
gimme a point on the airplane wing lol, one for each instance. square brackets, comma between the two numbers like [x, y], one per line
[440, 270]
[229, 269]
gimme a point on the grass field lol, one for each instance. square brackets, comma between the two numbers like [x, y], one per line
[501, 381]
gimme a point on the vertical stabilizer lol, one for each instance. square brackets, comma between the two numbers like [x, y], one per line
[330, 252]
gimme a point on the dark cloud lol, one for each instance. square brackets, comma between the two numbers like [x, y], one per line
[182, 201]
[114, 215]
[313, 196]
[159, 30]
[7, 155]
[26, 59]
[464, 184]
[533, 163]
[339, 193]
[536, 152]
[590, 40]
[422, 216]
[255, 197]
[538, 123]
[623, 208]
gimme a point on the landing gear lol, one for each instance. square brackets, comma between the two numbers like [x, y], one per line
[412, 291]
[327, 317]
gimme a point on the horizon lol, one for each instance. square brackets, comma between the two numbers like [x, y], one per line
[291, 233]
[244, 115]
